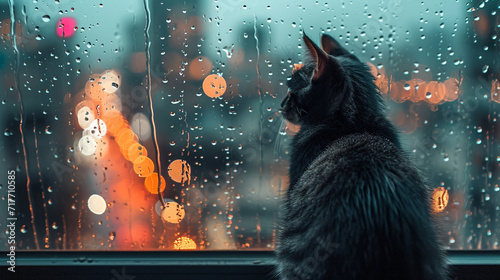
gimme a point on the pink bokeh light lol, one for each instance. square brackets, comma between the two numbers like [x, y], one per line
[66, 27]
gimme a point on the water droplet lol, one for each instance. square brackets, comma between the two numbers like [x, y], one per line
[48, 130]
[55, 226]
[485, 68]
[7, 132]
[428, 95]
[46, 18]
[407, 86]
[112, 235]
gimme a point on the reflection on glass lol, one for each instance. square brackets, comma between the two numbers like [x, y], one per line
[92, 94]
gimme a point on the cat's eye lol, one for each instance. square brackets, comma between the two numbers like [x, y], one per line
[154, 125]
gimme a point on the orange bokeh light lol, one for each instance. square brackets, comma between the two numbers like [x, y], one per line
[184, 243]
[214, 86]
[143, 166]
[452, 89]
[124, 136]
[179, 171]
[435, 92]
[440, 199]
[135, 150]
[172, 212]
[495, 91]
[151, 183]
[296, 67]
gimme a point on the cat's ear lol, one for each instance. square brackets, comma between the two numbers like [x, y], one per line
[318, 56]
[332, 47]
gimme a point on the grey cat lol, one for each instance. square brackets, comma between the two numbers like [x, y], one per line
[356, 207]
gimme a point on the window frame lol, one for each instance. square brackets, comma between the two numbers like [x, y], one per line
[247, 264]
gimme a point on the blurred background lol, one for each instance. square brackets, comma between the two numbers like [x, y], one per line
[97, 97]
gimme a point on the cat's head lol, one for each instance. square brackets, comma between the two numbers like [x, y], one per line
[333, 84]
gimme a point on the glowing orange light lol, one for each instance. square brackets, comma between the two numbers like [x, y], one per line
[124, 136]
[214, 86]
[173, 212]
[151, 183]
[440, 199]
[179, 171]
[495, 91]
[296, 67]
[115, 122]
[452, 89]
[382, 82]
[143, 166]
[135, 150]
[184, 243]
[396, 92]
[373, 69]
[435, 92]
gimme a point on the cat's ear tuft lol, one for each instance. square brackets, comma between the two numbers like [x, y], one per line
[332, 47]
[318, 56]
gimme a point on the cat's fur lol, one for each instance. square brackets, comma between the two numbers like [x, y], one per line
[356, 207]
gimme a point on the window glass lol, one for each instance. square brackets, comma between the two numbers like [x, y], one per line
[98, 97]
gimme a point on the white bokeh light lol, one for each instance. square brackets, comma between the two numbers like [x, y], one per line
[87, 145]
[96, 129]
[97, 204]
[141, 126]
[85, 117]
[110, 81]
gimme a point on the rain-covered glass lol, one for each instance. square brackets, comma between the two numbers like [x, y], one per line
[99, 97]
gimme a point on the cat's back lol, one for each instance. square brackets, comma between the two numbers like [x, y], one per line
[360, 211]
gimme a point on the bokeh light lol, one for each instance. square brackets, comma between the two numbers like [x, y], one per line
[135, 150]
[85, 117]
[87, 145]
[66, 27]
[110, 81]
[143, 166]
[151, 183]
[214, 86]
[440, 199]
[172, 213]
[179, 171]
[184, 243]
[97, 129]
[96, 204]
[141, 126]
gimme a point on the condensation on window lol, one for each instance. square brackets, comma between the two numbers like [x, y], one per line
[141, 125]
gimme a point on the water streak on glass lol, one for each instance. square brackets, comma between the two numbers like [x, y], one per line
[21, 114]
[261, 106]
[148, 87]
[42, 185]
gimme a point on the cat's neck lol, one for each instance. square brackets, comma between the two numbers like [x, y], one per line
[312, 140]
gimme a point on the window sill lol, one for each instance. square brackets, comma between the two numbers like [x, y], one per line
[239, 265]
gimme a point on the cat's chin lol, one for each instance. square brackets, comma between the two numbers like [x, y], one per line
[291, 118]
